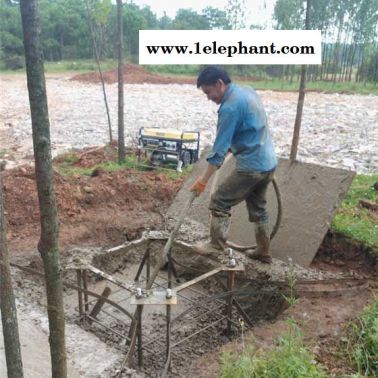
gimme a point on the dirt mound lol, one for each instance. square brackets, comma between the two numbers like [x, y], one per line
[104, 209]
[133, 74]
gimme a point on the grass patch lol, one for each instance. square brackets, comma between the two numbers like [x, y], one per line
[356, 222]
[174, 69]
[80, 65]
[363, 341]
[288, 359]
[321, 86]
[77, 66]
[65, 166]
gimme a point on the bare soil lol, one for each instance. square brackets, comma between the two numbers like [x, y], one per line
[104, 209]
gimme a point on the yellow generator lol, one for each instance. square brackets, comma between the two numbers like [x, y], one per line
[164, 146]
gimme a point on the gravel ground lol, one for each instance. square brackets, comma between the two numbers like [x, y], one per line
[338, 130]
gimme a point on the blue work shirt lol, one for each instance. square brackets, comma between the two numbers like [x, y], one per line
[243, 128]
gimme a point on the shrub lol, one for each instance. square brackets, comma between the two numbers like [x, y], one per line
[363, 341]
[14, 62]
[289, 359]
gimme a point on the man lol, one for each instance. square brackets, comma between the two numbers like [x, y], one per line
[242, 129]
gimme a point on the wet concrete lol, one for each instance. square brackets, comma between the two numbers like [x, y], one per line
[310, 196]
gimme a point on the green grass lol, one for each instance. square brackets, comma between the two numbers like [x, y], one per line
[363, 341]
[320, 86]
[79, 65]
[65, 166]
[354, 221]
[174, 69]
[290, 358]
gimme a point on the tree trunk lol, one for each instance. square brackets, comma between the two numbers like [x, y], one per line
[121, 127]
[298, 118]
[48, 243]
[7, 302]
[324, 59]
[337, 49]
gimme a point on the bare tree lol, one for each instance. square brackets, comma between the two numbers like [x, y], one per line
[48, 243]
[121, 127]
[97, 58]
[298, 118]
[7, 301]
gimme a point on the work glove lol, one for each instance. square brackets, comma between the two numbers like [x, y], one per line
[198, 187]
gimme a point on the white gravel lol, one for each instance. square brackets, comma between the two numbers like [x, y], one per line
[337, 130]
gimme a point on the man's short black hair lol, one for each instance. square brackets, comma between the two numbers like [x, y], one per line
[211, 74]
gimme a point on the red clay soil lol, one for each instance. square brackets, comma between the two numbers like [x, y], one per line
[102, 210]
[134, 74]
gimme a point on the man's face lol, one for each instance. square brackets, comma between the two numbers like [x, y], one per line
[215, 92]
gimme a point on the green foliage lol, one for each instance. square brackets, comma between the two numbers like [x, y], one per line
[101, 11]
[291, 280]
[289, 14]
[355, 222]
[188, 19]
[216, 18]
[236, 13]
[288, 359]
[369, 69]
[363, 341]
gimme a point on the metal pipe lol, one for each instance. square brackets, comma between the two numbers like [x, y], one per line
[237, 305]
[140, 350]
[230, 286]
[85, 287]
[79, 293]
[148, 263]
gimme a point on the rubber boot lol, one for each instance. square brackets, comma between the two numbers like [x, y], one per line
[218, 235]
[262, 252]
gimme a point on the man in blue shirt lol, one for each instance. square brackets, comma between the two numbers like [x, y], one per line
[242, 129]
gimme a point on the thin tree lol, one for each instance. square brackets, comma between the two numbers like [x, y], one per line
[121, 127]
[97, 59]
[301, 97]
[7, 301]
[48, 243]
